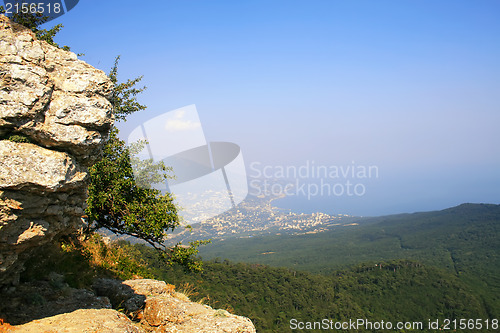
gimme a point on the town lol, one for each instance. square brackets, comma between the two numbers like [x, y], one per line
[257, 216]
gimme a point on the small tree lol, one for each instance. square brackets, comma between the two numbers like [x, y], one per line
[121, 198]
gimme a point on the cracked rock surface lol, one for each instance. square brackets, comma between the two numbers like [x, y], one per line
[59, 106]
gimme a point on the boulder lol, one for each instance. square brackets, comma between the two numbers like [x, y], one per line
[90, 320]
[164, 310]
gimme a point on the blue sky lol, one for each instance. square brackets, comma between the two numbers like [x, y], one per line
[410, 86]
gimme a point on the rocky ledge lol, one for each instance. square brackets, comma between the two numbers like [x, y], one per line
[146, 306]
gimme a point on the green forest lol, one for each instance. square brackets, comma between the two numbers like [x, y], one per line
[408, 267]
[397, 290]
[463, 241]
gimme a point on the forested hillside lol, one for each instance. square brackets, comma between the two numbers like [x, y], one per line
[463, 240]
[403, 268]
[394, 291]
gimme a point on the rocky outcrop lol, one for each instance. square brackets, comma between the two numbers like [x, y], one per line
[149, 306]
[158, 308]
[54, 117]
[94, 320]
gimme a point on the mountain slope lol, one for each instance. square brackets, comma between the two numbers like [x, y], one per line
[463, 240]
[391, 291]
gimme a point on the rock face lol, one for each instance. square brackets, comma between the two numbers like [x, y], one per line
[60, 106]
[160, 309]
[152, 306]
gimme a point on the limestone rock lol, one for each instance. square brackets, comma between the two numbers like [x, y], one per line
[30, 167]
[120, 294]
[171, 314]
[157, 308]
[60, 105]
[149, 287]
[90, 320]
[164, 310]
[49, 95]
[50, 297]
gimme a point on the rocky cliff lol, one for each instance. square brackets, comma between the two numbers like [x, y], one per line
[54, 117]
